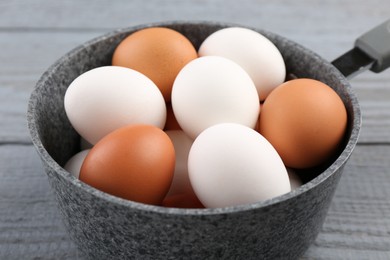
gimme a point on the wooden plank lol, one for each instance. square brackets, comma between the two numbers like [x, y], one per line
[30, 224]
[13, 123]
[68, 14]
[25, 56]
[325, 23]
[26, 62]
[33, 34]
[329, 28]
[373, 92]
[357, 225]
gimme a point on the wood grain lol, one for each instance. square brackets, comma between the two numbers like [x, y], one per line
[24, 57]
[28, 62]
[30, 224]
[34, 34]
[358, 221]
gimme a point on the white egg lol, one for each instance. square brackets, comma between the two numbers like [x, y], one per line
[212, 90]
[252, 51]
[231, 164]
[182, 144]
[75, 162]
[106, 98]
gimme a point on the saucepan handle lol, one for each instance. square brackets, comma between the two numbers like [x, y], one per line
[371, 51]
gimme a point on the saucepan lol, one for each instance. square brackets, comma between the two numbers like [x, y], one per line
[107, 227]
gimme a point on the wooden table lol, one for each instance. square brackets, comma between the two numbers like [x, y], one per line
[33, 34]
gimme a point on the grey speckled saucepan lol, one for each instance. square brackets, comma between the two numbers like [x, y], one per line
[107, 227]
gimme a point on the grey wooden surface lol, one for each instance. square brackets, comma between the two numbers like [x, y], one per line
[33, 34]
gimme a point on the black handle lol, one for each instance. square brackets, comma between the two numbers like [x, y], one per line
[371, 51]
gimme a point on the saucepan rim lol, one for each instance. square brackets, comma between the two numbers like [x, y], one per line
[61, 173]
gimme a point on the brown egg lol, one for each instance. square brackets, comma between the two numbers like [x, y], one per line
[135, 162]
[305, 120]
[157, 52]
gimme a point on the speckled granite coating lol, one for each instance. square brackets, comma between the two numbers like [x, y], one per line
[106, 227]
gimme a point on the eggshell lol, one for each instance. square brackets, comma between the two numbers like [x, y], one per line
[107, 98]
[157, 52]
[305, 120]
[182, 144]
[211, 90]
[73, 165]
[231, 164]
[134, 162]
[259, 57]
